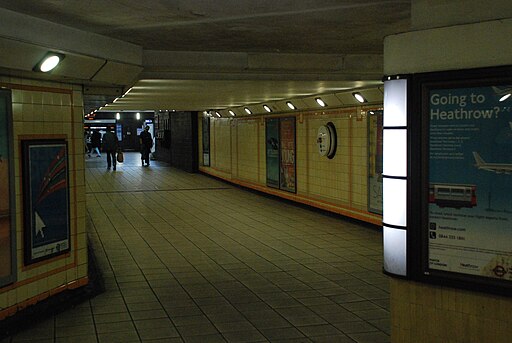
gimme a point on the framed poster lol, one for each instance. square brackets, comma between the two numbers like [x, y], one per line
[467, 184]
[272, 151]
[375, 159]
[287, 177]
[45, 199]
[7, 196]
[206, 141]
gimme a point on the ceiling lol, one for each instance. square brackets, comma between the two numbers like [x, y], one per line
[202, 54]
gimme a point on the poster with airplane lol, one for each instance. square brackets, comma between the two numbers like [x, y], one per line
[470, 181]
[46, 199]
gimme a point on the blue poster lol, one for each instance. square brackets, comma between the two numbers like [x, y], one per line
[47, 199]
[206, 141]
[470, 181]
[5, 193]
[272, 151]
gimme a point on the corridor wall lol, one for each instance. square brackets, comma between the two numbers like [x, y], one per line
[41, 111]
[339, 185]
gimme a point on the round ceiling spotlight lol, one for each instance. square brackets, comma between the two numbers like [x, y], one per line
[49, 62]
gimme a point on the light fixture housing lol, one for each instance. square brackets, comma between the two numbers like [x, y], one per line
[128, 91]
[232, 113]
[320, 102]
[290, 105]
[49, 62]
[359, 97]
[395, 176]
[247, 110]
[268, 109]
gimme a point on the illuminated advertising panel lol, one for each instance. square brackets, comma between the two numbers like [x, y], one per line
[470, 180]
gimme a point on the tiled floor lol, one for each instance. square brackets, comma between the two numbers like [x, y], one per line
[187, 258]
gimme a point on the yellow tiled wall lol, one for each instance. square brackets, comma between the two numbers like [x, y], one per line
[423, 313]
[247, 142]
[339, 184]
[44, 109]
[221, 130]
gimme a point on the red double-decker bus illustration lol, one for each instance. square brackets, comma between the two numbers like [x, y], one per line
[452, 195]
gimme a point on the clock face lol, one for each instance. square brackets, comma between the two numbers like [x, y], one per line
[326, 140]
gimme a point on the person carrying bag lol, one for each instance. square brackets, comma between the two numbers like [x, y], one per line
[110, 145]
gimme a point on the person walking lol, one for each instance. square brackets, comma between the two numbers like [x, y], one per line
[146, 143]
[96, 142]
[88, 143]
[110, 145]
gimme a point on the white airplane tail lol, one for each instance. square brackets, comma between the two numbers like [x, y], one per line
[479, 160]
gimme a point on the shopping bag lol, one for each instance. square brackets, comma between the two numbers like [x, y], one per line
[120, 157]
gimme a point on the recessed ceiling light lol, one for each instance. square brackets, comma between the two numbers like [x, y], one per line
[49, 62]
[118, 116]
[359, 97]
[505, 97]
[217, 114]
[320, 102]
[247, 110]
[290, 105]
[268, 109]
[232, 113]
[137, 116]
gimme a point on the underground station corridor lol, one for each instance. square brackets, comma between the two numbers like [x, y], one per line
[187, 258]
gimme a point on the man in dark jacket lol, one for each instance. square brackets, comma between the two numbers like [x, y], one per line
[146, 143]
[96, 142]
[110, 145]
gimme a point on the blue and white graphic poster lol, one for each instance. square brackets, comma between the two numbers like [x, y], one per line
[470, 181]
[48, 212]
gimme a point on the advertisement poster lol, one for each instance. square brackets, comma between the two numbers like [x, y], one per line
[5, 222]
[287, 152]
[206, 141]
[272, 149]
[470, 181]
[375, 140]
[46, 199]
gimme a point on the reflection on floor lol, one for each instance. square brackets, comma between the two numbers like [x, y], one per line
[187, 258]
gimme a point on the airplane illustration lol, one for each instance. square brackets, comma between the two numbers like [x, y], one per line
[498, 168]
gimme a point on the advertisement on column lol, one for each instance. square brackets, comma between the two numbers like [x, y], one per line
[5, 210]
[287, 141]
[272, 150]
[46, 199]
[470, 181]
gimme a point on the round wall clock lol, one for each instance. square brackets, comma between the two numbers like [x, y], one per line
[326, 140]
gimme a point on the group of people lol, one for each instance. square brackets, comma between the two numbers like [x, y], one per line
[94, 142]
